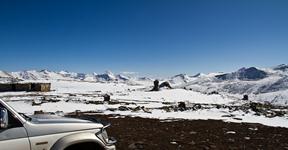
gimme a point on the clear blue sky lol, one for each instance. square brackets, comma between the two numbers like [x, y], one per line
[161, 37]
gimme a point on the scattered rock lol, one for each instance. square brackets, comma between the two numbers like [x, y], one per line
[174, 143]
[59, 113]
[52, 101]
[230, 132]
[192, 132]
[192, 143]
[136, 145]
[37, 103]
[253, 129]
[165, 84]
[197, 106]
[218, 106]
[168, 108]
[123, 108]
[228, 116]
[213, 93]
[156, 86]
[72, 94]
[111, 109]
[106, 98]
[231, 140]
[136, 109]
[39, 112]
[245, 97]
[182, 106]
[146, 110]
[237, 118]
[256, 107]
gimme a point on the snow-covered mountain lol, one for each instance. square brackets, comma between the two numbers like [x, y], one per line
[5, 77]
[244, 74]
[241, 81]
[34, 75]
[256, 82]
[282, 67]
[262, 83]
[181, 79]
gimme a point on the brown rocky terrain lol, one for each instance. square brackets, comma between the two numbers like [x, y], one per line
[152, 134]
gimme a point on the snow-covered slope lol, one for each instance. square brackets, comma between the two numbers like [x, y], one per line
[5, 77]
[251, 81]
[38, 75]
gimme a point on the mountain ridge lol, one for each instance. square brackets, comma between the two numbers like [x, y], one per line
[261, 83]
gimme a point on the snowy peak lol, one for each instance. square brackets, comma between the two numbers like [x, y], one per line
[121, 77]
[38, 75]
[4, 74]
[108, 76]
[245, 74]
[180, 79]
[27, 75]
[6, 77]
[198, 75]
[282, 67]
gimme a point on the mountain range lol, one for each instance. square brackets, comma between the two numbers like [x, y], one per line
[261, 83]
[34, 75]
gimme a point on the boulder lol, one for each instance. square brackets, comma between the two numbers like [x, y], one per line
[165, 84]
[245, 97]
[182, 106]
[156, 86]
[106, 98]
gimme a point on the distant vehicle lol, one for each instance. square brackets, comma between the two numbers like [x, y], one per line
[46, 132]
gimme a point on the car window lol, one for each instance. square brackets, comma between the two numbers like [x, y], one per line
[13, 122]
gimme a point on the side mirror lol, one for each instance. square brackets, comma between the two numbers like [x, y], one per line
[3, 118]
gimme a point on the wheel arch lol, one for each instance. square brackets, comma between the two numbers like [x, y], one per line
[75, 139]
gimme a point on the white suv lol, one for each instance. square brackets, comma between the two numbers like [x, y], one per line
[46, 132]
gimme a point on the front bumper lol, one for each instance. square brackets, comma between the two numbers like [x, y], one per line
[111, 144]
[111, 147]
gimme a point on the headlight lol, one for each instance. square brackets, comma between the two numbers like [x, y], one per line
[102, 134]
[105, 138]
[105, 135]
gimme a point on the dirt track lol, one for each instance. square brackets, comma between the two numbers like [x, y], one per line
[152, 134]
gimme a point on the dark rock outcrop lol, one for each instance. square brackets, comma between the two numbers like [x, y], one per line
[106, 98]
[245, 97]
[165, 84]
[156, 86]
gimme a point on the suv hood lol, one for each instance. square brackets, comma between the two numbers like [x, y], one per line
[40, 119]
[51, 124]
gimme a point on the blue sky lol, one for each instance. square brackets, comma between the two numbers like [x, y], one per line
[160, 37]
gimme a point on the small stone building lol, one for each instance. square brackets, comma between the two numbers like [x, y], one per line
[37, 87]
[21, 87]
[5, 87]
[42, 87]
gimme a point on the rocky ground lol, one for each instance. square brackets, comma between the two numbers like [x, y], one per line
[153, 134]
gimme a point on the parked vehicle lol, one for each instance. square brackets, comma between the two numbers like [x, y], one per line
[47, 132]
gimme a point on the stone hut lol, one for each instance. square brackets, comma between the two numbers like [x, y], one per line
[5, 87]
[37, 87]
[41, 87]
[21, 87]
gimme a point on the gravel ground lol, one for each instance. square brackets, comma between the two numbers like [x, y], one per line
[152, 134]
